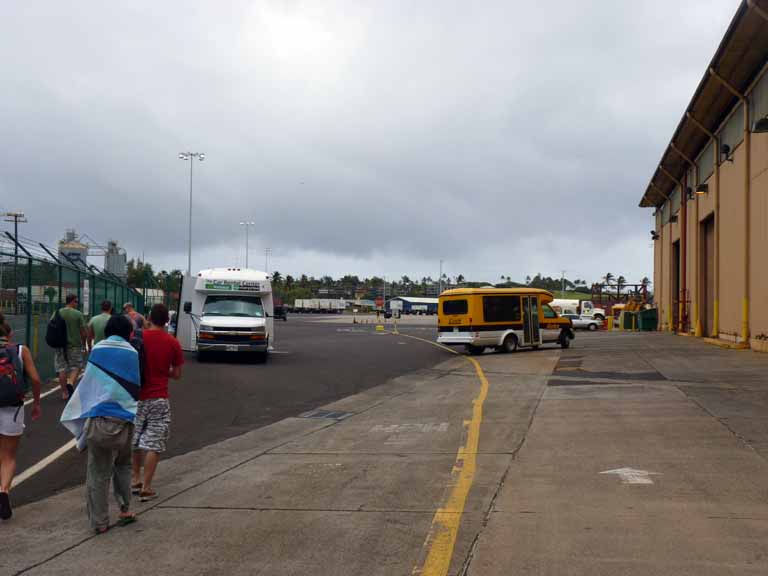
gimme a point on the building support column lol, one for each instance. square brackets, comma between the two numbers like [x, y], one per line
[747, 199]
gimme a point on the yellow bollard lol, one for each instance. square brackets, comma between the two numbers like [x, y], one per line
[379, 328]
[609, 324]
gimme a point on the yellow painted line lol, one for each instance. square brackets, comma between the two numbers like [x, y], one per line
[441, 538]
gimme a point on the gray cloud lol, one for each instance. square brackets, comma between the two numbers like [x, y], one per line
[504, 137]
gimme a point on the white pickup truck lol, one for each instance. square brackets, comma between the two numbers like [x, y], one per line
[580, 307]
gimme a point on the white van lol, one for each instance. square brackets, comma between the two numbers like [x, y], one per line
[227, 309]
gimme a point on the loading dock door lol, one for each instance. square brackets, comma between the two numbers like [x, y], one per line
[707, 259]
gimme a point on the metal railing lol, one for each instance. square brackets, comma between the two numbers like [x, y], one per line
[34, 283]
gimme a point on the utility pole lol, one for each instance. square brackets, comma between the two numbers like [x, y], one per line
[562, 282]
[17, 218]
[440, 280]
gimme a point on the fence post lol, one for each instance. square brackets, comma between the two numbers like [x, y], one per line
[61, 284]
[29, 302]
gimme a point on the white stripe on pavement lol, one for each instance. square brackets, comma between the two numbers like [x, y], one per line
[43, 395]
[50, 459]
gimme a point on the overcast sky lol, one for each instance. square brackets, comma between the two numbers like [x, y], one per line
[363, 137]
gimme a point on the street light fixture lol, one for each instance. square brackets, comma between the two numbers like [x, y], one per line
[247, 225]
[190, 156]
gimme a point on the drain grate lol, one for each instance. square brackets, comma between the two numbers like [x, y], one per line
[326, 414]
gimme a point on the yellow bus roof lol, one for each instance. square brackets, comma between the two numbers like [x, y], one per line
[546, 294]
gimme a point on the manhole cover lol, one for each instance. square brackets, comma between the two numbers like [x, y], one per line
[326, 414]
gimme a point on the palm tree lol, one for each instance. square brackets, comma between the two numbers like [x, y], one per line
[645, 282]
[276, 277]
[527, 280]
[608, 277]
[620, 282]
[460, 279]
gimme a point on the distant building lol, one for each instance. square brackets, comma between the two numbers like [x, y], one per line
[70, 248]
[115, 260]
[415, 305]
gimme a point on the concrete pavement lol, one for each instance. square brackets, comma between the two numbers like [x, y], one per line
[371, 490]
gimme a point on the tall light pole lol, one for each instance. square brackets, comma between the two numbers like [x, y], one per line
[440, 280]
[267, 252]
[190, 156]
[247, 225]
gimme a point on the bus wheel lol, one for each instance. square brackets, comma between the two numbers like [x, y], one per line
[475, 350]
[510, 343]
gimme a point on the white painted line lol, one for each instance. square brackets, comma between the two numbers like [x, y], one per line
[633, 476]
[279, 352]
[50, 459]
[43, 395]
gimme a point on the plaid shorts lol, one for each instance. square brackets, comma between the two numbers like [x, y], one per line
[152, 425]
[69, 363]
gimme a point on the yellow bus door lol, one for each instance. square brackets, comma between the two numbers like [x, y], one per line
[531, 331]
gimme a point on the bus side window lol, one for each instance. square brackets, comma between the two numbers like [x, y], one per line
[548, 312]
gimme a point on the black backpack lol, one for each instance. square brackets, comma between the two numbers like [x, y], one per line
[13, 385]
[56, 334]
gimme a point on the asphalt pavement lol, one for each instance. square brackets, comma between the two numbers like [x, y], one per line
[315, 362]
[629, 454]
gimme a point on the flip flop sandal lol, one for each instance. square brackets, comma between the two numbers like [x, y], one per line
[136, 488]
[147, 496]
[125, 520]
[102, 530]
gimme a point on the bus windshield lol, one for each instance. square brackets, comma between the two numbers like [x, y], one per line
[244, 306]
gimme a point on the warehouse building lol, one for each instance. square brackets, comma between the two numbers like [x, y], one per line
[413, 305]
[710, 194]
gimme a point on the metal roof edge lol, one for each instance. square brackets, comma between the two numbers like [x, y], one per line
[741, 12]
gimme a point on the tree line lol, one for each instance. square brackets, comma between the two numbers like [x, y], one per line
[350, 286]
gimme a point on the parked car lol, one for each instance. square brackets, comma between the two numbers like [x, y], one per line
[583, 321]
[280, 313]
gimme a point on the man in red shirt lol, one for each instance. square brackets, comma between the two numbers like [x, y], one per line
[162, 360]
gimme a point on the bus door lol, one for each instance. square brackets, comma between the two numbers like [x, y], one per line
[531, 332]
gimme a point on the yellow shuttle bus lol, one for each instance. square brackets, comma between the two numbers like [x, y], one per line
[502, 318]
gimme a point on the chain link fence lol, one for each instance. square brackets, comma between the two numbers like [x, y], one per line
[34, 283]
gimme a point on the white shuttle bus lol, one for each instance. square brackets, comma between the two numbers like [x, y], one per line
[226, 309]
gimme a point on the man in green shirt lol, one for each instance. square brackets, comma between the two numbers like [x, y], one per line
[98, 323]
[69, 362]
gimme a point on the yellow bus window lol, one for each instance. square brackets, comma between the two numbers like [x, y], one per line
[451, 307]
[501, 308]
